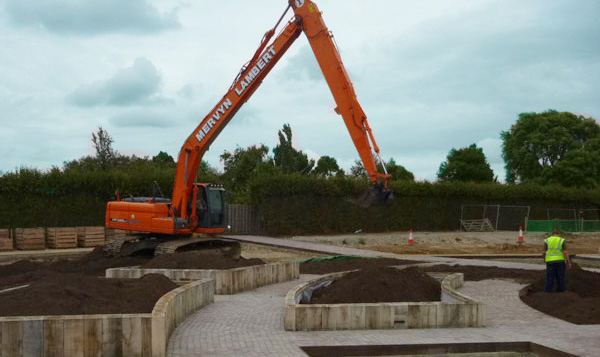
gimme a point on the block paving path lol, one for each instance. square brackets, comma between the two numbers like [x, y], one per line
[251, 323]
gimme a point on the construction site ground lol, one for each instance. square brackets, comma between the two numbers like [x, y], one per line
[251, 323]
[455, 243]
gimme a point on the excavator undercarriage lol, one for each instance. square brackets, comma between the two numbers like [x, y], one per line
[126, 244]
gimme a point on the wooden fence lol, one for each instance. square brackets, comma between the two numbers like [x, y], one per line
[244, 219]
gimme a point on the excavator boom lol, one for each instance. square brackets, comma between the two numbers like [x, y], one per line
[186, 213]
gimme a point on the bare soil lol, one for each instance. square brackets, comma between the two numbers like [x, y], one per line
[380, 284]
[199, 260]
[334, 266]
[77, 294]
[498, 242]
[73, 287]
[273, 254]
[92, 264]
[580, 304]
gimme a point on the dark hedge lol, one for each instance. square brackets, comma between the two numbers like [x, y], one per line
[290, 204]
[310, 205]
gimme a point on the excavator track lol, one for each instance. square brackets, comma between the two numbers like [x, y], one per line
[227, 247]
[125, 245]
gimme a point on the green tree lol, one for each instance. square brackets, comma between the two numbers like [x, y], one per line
[579, 167]
[327, 166]
[163, 160]
[358, 170]
[466, 164]
[535, 145]
[243, 164]
[103, 144]
[398, 172]
[288, 159]
[207, 173]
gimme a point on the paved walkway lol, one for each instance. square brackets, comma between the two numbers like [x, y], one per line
[251, 323]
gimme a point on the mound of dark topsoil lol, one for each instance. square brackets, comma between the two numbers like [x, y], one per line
[477, 273]
[198, 259]
[92, 264]
[580, 304]
[334, 266]
[380, 284]
[75, 294]
[72, 287]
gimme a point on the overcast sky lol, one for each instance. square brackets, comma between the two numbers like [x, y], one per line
[431, 75]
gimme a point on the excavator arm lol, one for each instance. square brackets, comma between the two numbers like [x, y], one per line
[197, 207]
[307, 19]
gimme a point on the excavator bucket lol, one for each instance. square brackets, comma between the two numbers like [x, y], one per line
[376, 195]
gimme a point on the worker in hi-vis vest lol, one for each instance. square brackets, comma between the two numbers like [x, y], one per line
[555, 254]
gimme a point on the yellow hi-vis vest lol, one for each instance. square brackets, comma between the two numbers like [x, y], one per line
[555, 247]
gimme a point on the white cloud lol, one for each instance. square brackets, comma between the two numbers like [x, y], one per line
[430, 76]
[137, 84]
[80, 17]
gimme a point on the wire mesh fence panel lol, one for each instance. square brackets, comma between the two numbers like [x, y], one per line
[561, 213]
[491, 213]
[590, 226]
[539, 225]
[511, 218]
[478, 213]
[508, 218]
[589, 214]
[568, 225]
[472, 212]
[563, 225]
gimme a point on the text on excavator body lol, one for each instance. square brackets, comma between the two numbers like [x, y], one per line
[212, 121]
[254, 71]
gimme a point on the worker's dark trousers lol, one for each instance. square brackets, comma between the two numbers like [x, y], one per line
[556, 272]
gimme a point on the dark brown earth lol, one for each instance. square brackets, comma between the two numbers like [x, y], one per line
[580, 304]
[73, 287]
[92, 264]
[380, 284]
[334, 266]
[477, 273]
[76, 294]
[199, 260]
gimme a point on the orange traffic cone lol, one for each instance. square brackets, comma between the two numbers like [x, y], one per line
[410, 238]
[521, 235]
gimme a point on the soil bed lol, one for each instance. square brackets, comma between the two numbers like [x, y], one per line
[334, 266]
[92, 264]
[95, 264]
[477, 273]
[74, 287]
[580, 304]
[374, 284]
[77, 294]
[198, 260]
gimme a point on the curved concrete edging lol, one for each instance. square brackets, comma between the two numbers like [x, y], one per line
[455, 310]
[104, 334]
[227, 282]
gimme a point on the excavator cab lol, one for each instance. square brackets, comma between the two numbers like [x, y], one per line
[208, 203]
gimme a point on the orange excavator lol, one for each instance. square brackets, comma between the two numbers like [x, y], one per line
[200, 207]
